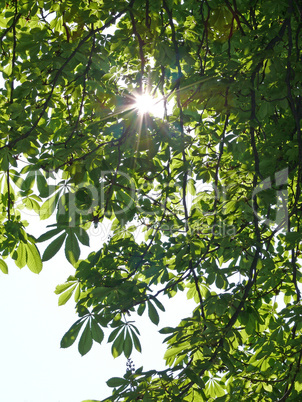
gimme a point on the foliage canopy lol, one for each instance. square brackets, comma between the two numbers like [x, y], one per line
[214, 183]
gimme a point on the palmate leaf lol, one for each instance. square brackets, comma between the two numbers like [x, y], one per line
[215, 388]
[123, 338]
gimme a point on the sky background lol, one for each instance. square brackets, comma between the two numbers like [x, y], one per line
[33, 366]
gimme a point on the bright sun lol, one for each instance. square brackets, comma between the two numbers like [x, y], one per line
[147, 104]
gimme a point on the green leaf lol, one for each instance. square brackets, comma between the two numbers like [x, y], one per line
[97, 332]
[118, 345]
[133, 327]
[82, 236]
[128, 345]
[71, 335]
[219, 281]
[72, 249]
[116, 382]
[195, 378]
[91, 400]
[191, 187]
[167, 330]
[85, 342]
[42, 186]
[141, 309]
[48, 235]
[53, 247]
[21, 255]
[77, 293]
[136, 342]
[63, 299]
[82, 310]
[113, 334]
[230, 206]
[61, 288]
[3, 267]
[4, 163]
[215, 389]
[48, 207]
[33, 259]
[153, 314]
[28, 183]
[159, 304]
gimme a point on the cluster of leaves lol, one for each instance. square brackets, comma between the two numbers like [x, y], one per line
[215, 184]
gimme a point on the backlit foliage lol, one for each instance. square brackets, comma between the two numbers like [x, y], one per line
[214, 184]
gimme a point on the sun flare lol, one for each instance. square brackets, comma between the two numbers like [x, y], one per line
[146, 103]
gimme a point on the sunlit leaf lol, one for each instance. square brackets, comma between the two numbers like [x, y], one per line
[21, 255]
[33, 259]
[64, 297]
[49, 206]
[61, 288]
[3, 267]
